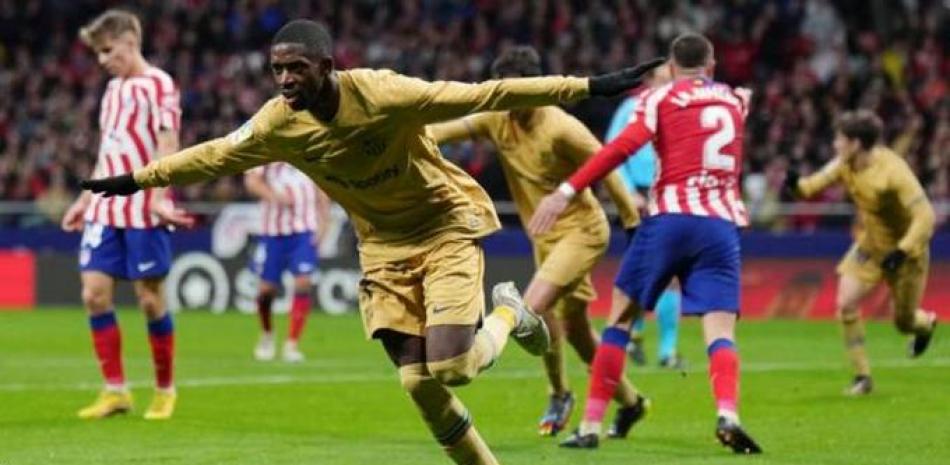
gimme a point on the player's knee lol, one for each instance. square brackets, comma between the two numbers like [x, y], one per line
[96, 299]
[150, 303]
[412, 381]
[456, 371]
[848, 314]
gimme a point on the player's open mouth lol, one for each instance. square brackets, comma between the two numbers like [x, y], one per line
[290, 95]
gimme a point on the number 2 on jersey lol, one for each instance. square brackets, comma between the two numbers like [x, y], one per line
[713, 117]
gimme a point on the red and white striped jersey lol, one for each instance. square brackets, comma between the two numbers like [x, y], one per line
[696, 126]
[132, 113]
[278, 219]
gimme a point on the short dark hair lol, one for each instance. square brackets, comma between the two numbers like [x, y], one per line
[521, 60]
[312, 35]
[862, 125]
[691, 50]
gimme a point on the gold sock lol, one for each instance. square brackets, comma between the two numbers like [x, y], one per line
[853, 332]
[922, 322]
[507, 314]
[497, 327]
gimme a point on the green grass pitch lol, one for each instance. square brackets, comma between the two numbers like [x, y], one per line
[344, 405]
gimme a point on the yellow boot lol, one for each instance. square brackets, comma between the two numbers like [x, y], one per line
[108, 403]
[162, 406]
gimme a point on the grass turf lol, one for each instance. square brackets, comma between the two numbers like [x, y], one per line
[344, 405]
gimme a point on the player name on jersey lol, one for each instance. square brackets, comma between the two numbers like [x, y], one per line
[698, 174]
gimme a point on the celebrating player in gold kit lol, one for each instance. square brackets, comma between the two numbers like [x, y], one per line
[360, 135]
[538, 147]
[896, 222]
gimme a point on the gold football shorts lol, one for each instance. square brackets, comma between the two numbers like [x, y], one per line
[440, 286]
[906, 285]
[568, 261]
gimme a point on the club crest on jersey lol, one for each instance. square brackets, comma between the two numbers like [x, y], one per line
[241, 134]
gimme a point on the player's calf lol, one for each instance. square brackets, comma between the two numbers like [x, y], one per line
[445, 416]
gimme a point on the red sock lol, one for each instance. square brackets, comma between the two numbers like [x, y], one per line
[606, 370]
[161, 336]
[299, 310]
[724, 374]
[264, 311]
[107, 341]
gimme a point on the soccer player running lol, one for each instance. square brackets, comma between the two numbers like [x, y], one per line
[639, 174]
[360, 135]
[293, 213]
[537, 148]
[896, 223]
[128, 237]
[691, 233]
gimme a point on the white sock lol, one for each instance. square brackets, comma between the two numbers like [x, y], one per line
[730, 415]
[589, 427]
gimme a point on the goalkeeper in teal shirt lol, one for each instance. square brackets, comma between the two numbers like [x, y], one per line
[638, 173]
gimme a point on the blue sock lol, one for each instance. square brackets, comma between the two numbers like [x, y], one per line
[615, 337]
[102, 321]
[667, 318]
[161, 326]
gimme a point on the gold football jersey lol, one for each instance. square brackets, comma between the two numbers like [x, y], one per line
[537, 156]
[893, 209]
[374, 157]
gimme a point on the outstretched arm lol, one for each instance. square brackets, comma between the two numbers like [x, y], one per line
[245, 148]
[598, 166]
[470, 127]
[443, 100]
[815, 183]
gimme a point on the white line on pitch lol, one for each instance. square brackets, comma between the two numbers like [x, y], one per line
[337, 378]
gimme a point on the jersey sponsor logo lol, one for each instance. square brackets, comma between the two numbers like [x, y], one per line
[373, 147]
[368, 182]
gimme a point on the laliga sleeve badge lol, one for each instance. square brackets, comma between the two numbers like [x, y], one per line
[241, 134]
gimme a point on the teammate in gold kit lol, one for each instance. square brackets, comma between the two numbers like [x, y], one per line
[538, 147]
[360, 135]
[896, 223]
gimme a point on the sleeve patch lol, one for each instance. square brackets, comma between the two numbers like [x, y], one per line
[241, 134]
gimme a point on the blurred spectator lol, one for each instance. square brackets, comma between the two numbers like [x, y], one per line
[806, 60]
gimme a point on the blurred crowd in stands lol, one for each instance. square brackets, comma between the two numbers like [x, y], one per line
[806, 61]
